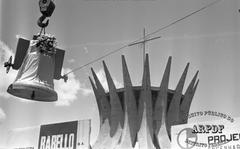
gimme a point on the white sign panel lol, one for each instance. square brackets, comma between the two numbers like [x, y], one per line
[219, 134]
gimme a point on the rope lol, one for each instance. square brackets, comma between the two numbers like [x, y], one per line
[158, 30]
[93, 61]
[42, 30]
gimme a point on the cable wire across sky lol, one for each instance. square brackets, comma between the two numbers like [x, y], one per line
[147, 36]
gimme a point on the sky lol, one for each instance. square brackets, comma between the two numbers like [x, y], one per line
[88, 29]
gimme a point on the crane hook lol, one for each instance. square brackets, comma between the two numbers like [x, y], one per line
[46, 8]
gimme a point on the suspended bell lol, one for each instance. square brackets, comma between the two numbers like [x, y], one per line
[38, 62]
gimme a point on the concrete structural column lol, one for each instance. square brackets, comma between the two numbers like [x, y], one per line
[145, 133]
[102, 98]
[129, 133]
[174, 107]
[187, 100]
[116, 114]
[160, 110]
[104, 111]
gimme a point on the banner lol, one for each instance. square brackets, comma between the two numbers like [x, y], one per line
[66, 135]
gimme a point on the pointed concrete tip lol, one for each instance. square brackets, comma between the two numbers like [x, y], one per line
[195, 87]
[92, 70]
[191, 84]
[147, 58]
[104, 65]
[94, 74]
[93, 85]
[107, 74]
[110, 82]
[91, 81]
[146, 55]
[186, 69]
[98, 83]
[146, 73]
[90, 78]
[197, 72]
[195, 76]
[146, 63]
[169, 62]
[123, 57]
[169, 59]
[181, 81]
[124, 63]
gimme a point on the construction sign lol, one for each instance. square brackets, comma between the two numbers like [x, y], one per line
[66, 135]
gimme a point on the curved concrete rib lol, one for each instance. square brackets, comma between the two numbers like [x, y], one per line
[187, 100]
[195, 87]
[160, 110]
[97, 99]
[102, 136]
[113, 141]
[116, 116]
[104, 140]
[104, 133]
[145, 133]
[130, 112]
[174, 107]
[104, 125]
[102, 97]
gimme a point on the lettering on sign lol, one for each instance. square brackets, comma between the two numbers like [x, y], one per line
[58, 136]
[61, 141]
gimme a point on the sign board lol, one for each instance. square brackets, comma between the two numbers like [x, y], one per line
[218, 134]
[66, 135]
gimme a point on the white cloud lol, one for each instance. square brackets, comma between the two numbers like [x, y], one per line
[71, 60]
[68, 91]
[6, 79]
[2, 115]
[103, 80]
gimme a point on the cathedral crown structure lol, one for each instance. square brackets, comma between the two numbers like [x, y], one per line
[141, 116]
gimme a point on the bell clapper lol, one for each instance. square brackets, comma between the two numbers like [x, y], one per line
[8, 64]
[33, 95]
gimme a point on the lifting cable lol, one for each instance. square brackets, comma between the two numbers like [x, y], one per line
[158, 30]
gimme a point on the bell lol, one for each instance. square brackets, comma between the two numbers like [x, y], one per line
[34, 80]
